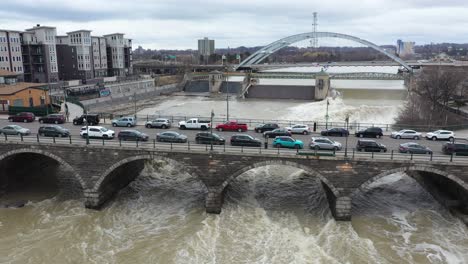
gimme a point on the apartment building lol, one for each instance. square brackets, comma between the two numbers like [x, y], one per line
[75, 55]
[99, 56]
[11, 58]
[119, 54]
[39, 54]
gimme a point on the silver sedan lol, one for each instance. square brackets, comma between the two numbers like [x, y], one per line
[14, 130]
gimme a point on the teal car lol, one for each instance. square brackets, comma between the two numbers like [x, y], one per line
[287, 142]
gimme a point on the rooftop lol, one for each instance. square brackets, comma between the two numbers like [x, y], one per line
[39, 27]
[5, 73]
[7, 89]
[80, 30]
[114, 34]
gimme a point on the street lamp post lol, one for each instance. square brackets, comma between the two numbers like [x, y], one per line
[211, 130]
[87, 122]
[326, 116]
[135, 103]
[347, 135]
[227, 95]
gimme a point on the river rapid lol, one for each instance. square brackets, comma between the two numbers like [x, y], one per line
[270, 215]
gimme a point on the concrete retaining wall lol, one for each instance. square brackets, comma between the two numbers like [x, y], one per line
[281, 92]
[197, 87]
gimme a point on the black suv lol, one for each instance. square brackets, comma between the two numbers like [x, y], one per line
[376, 132]
[245, 140]
[460, 149]
[207, 138]
[370, 146]
[266, 127]
[53, 131]
[93, 119]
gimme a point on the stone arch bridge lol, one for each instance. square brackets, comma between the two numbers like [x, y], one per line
[99, 172]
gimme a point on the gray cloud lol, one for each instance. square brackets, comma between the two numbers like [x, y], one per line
[178, 23]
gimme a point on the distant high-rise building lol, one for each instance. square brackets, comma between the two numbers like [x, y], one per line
[405, 48]
[206, 46]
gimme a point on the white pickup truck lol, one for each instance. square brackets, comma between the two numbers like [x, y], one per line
[195, 123]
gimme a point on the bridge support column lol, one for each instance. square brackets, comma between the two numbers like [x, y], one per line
[342, 209]
[93, 200]
[214, 201]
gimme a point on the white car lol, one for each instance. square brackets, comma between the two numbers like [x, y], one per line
[299, 129]
[406, 133]
[441, 134]
[97, 132]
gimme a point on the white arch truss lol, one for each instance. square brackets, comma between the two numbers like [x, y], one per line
[266, 51]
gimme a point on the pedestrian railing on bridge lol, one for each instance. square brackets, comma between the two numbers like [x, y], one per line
[190, 146]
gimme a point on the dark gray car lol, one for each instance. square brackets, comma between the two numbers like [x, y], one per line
[414, 148]
[53, 131]
[171, 136]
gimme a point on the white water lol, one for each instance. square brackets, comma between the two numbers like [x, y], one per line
[270, 215]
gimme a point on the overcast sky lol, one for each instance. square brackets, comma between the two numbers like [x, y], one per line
[177, 24]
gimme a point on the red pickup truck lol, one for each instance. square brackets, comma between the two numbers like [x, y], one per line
[232, 126]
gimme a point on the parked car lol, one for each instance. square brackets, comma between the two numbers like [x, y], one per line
[370, 146]
[126, 121]
[441, 135]
[277, 132]
[53, 131]
[207, 138]
[232, 126]
[460, 149]
[97, 132]
[414, 148]
[299, 129]
[287, 142]
[195, 123]
[133, 135]
[171, 136]
[376, 132]
[159, 123]
[92, 119]
[324, 143]
[15, 130]
[22, 117]
[52, 118]
[406, 133]
[266, 127]
[336, 131]
[245, 140]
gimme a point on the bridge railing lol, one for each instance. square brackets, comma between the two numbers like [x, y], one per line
[191, 146]
[319, 124]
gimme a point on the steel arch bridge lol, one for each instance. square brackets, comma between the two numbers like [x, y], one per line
[266, 51]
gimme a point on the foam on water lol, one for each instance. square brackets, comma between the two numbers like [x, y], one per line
[270, 215]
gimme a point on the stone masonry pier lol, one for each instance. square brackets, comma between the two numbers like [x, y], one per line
[99, 172]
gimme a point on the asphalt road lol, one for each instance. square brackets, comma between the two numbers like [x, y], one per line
[391, 144]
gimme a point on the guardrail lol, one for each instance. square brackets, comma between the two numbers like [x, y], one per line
[106, 117]
[152, 144]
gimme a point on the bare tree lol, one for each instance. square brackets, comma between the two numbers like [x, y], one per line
[429, 98]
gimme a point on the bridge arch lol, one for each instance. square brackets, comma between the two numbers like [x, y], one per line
[326, 183]
[147, 157]
[58, 159]
[271, 48]
[365, 186]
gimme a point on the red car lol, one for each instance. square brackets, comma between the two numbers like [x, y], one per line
[232, 126]
[22, 117]
[52, 118]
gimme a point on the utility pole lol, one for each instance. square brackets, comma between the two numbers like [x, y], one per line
[314, 40]
[347, 135]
